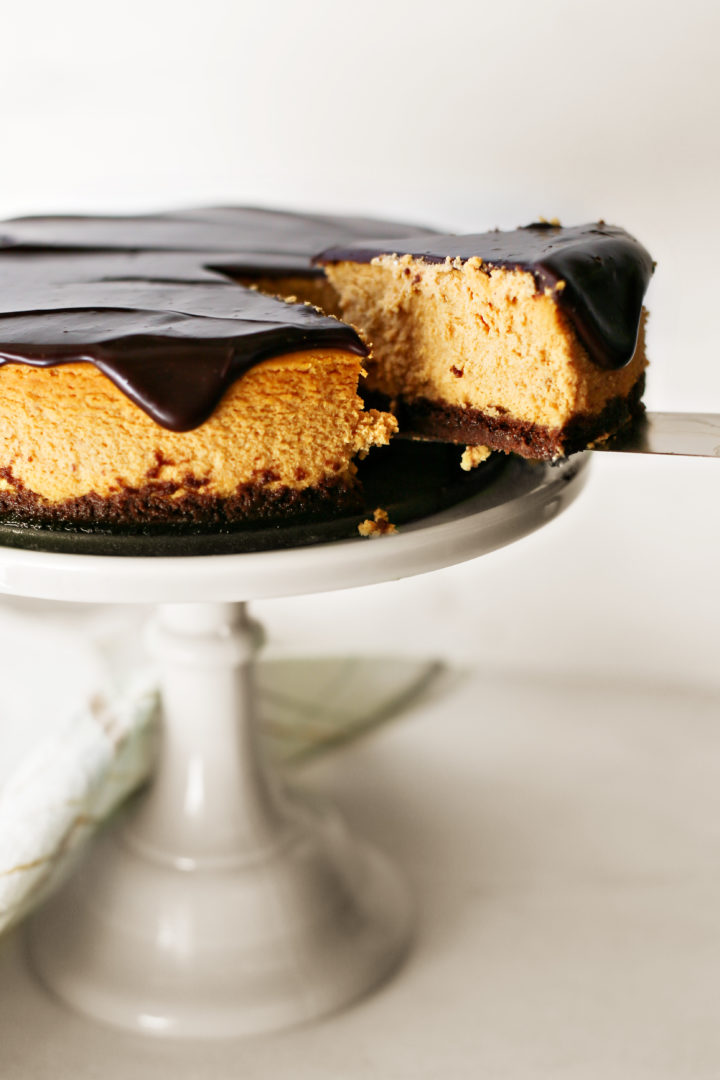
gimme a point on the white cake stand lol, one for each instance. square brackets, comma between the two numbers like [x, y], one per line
[221, 904]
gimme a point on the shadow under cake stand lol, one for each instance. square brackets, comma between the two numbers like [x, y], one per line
[221, 903]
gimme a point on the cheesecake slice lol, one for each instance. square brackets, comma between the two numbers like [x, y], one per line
[529, 341]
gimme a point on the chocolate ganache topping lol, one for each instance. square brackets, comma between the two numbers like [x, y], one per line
[598, 274]
[152, 303]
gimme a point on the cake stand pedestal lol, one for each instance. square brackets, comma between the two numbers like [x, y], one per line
[221, 904]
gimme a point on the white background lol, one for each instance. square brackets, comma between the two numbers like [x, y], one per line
[598, 633]
[465, 115]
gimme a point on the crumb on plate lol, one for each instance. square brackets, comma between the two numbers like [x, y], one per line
[473, 456]
[379, 526]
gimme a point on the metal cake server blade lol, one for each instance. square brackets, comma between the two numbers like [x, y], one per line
[688, 434]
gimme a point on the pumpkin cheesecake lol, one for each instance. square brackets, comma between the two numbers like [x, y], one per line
[530, 340]
[176, 369]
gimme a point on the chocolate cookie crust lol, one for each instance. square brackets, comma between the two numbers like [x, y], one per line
[156, 504]
[450, 423]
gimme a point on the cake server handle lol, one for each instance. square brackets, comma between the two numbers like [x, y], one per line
[688, 434]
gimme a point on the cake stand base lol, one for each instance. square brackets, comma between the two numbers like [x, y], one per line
[221, 905]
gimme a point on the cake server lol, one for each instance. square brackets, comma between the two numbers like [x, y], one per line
[688, 434]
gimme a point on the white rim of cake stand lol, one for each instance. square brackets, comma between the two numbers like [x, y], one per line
[523, 498]
[223, 905]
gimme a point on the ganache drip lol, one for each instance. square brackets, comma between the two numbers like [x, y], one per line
[152, 302]
[597, 273]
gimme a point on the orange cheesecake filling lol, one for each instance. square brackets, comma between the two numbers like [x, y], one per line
[292, 422]
[459, 335]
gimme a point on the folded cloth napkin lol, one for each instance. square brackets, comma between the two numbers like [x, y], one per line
[77, 773]
[61, 791]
